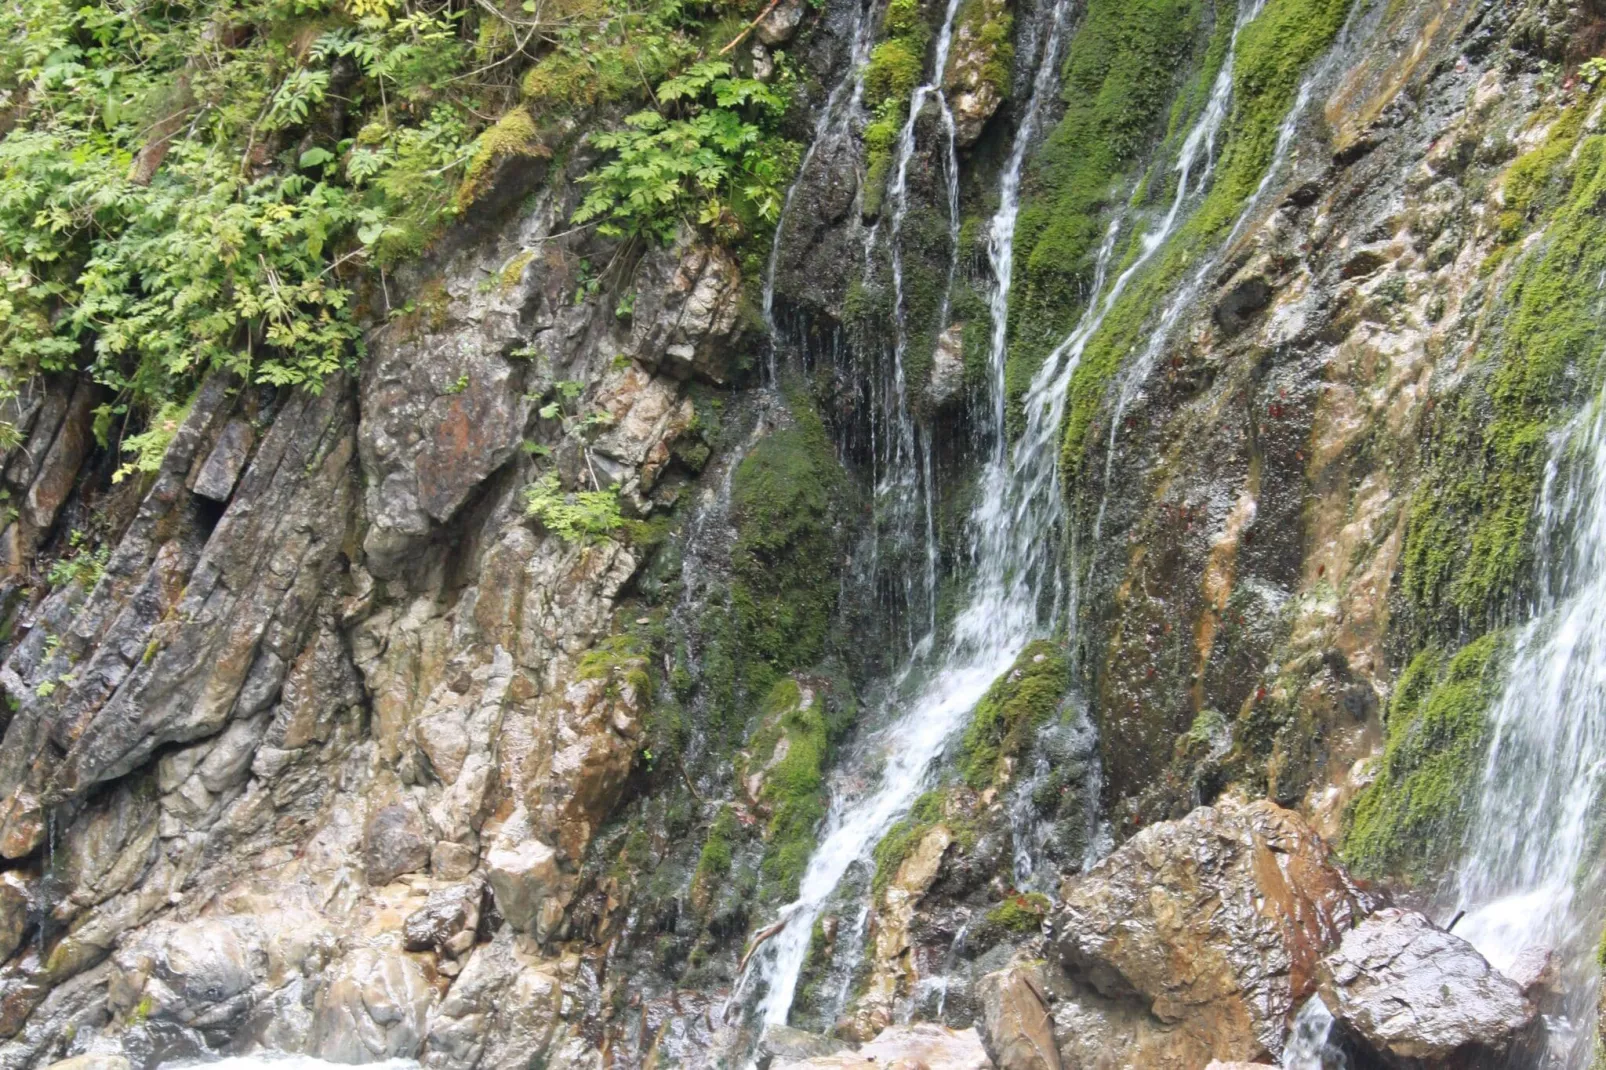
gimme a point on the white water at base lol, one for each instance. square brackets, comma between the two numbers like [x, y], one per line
[1530, 874]
[1017, 594]
[1310, 1044]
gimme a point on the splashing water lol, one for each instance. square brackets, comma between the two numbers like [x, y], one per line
[1310, 1044]
[1529, 876]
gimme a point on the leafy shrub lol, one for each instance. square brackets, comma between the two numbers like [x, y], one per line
[704, 150]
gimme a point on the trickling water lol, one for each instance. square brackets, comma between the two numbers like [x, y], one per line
[1137, 372]
[840, 107]
[1530, 875]
[1310, 1044]
[1001, 231]
[910, 468]
[955, 949]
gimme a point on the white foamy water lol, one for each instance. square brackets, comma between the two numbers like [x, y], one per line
[1531, 873]
[1310, 1044]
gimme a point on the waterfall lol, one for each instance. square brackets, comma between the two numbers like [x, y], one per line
[1310, 1043]
[1017, 594]
[1532, 847]
[911, 467]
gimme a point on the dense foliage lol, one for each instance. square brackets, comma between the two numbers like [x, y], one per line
[222, 184]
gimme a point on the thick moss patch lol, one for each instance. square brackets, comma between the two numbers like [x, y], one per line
[793, 787]
[1410, 819]
[1018, 702]
[783, 563]
[1470, 539]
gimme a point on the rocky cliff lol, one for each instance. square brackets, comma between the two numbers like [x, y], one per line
[485, 702]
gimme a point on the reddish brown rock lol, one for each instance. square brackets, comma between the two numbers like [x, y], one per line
[1214, 923]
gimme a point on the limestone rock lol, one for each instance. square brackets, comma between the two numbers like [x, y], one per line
[947, 367]
[1421, 997]
[785, 1044]
[1215, 923]
[978, 68]
[395, 842]
[892, 964]
[372, 1007]
[906, 1047]
[198, 974]
[780, 23]
[685, 319]
[524, 875]
[444, 918]
[14, 903]
[224, 464]
[1016, 1027]
[91, 1062]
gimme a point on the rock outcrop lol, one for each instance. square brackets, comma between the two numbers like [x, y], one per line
[1420, 997]
[1214, 924]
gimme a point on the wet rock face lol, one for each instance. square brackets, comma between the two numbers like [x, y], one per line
[1214, 924]
[1419, 997]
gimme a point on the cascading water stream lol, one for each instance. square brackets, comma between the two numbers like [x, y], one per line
[1015, 530]
[1001, 230]
[1528, 877]
[909, 473]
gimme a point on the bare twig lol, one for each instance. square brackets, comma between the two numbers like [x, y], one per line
[751, 26]
[758, 938]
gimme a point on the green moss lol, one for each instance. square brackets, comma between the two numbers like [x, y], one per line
[1273, 52]
[1020, 913]
[893, 71]
[1017, 702]
[714, 861]
[783, 562]
[1471, 525]
[513, 134]
[1411, 817]
[989, 26]
[903, 837]
[793, 788]
[619, 659]
[1114, 98]
[890, 78]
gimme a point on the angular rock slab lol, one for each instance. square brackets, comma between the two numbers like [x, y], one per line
[1420, 997]
[1215, 922]
[1017, 1028]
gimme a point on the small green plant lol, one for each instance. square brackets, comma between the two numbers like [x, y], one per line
[150, 446]
[80, 564]
[581, 516]
[459, 386]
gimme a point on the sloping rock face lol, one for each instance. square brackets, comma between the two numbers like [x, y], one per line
[1419, 997]
[1214, 924]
